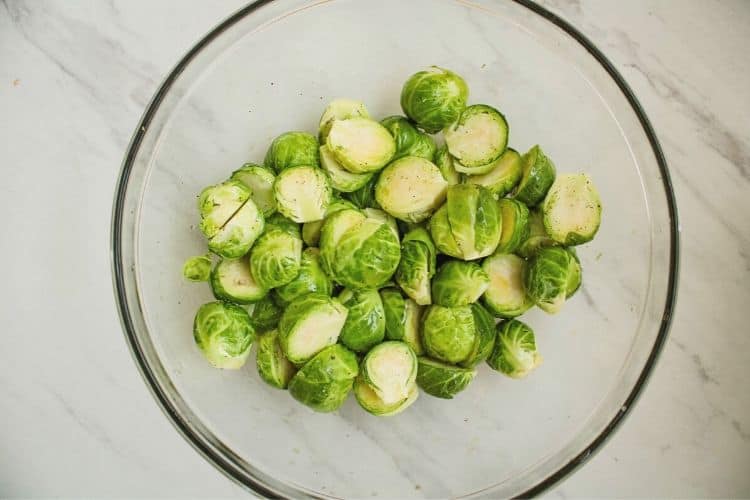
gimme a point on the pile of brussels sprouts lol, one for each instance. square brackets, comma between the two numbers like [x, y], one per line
[371, 260]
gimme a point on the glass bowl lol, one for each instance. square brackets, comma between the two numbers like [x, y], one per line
[272, 67]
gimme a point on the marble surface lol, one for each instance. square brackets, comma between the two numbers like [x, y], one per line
[74, 79]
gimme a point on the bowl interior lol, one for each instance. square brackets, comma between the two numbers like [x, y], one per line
[273, 69]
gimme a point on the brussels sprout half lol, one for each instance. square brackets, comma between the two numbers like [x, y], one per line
[197, 268]
[273, 367]
[444, 162]
[239, 233]
[264, 314]
[371, 402]
[217, 204]
[360, 145]
[459, 283]
[409, 140]
[224, 334]
[546, 278]
[311, 230]
[484, 341]
[572, 210]
[402, 318]
[292, 149]
[341, 179]
[309, 324]
[390, 369]
[333, 229]
[302, 193]
[365, 323]
[442, 380]
[515, 217]
[434, 98]
[417, 265]
[477, 138]
[310, 278]
[276, 257]
[515, 352]
[538, 176]
[259, 180]
[448, 333]
[503, 176]
[506, 296]
[537, 236]
[325, 381]
[233, 281]
[410, 189]
[339, 109]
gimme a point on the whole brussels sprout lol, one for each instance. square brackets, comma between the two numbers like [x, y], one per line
[410, 189]
[515, 217]
[303, 193]
[232, 281]
[459, 283]
[390, 369]
[506, 296]
[572, 209]
[259, 180]
[546, 278]
[365, 323]
[224, 334]
[310, 278]
[371, 402]
[434, 98]
[309, 324]
[360, 145]
[503, 176]
[444, 162]
[538, 176]
[264, 314]
[239, 233]
[484, 341]
[325, 381]
[402, 318]
[442, 380]
[477, 138]
[311, 230]
[409, 140]
[275, 259]
[448, 333]
[273, 367]
[339, 109]
[417, 265]
[536, 237]
[364, 197]
[515, 353]
[217, 204]
[197, 268]
[292, 149]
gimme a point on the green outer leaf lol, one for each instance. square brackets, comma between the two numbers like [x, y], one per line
[276, 258]
[370, 402]
[434, 98]
[197, 268]
[303, 193]
[473, 158]
[298, 314]
[572, 193]
[325, 381]
[502, 178]
[417, 265]
[538, 176]
[515, 353]
[458, 283]
[310, 278]
[224, 334]
[444, 162]
[232, 280]
[259, 180]
[272, 365]
[335, 226]
[515, 225]
[292, 149]
[382, 378]
[366, 255]
[575, 274]
[402, 319]
[473, 219]
[409, 140]
[546, 278]
[442, 236]
[484, 341]
[365, 323]
[537, 237]
[265, 314]
[448, 333]
[364, 197]
[506, 296]
[278, 221]
[442, 380]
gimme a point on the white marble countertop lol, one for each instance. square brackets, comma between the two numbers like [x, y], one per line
[79, 421]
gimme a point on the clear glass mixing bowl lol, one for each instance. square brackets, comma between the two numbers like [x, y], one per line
[272, 67]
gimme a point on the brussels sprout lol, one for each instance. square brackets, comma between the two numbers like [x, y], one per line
[340, 109]
[390, 369]
[325, 381]
[380, 216]
[264, 314]
[572, 209]
[538, 176]
[239, 233]
[448, 333]
[371, 402]
[365, 323]
[410, 189]
[459, 283]
[292, 149]
[308, 324]
[417, 265]
[302, 193]
[468, 225]
[409, 140]
[259, 180]
[232, 280]
[273, 367]
[333, 229]
[217, 204]
[434, 98]
[503, 176]
[444, 162]
[365, 196]
[477, 138]
[537, 236]
[574, 274]
[506, 296]
[515, 230]
[311, 230]
[224, 334]
[341, 179]
[442, 380]
[402, 319]
[484, 341]
[197, 268]
[275, 259]
[515, 351]
[360, 145]
[310, 278]
[278, 221]
[546, 278]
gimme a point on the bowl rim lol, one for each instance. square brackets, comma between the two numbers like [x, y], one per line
[212, 455]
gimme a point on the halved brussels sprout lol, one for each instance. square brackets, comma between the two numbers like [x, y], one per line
[459, 283]
[434, 98]
[339, 109]
[442, 380]
[409, 140]
[238, 234]
[515, 217]
[278, 221]
[478, 137]
[232, 280]
[572, 209]
[444, 162]
[506, 296]
[515, 352]
[197, 268]
[333, 229]
[574, 274]
[371, 402]
[325, 381]
[309, 324]
[364, 197]
[341, 179]
[275, 259]
[401, 319]
[311, 230]
[410, 189]
[380, 216]
[365, 323]
[546, 278]
[538, 176]
[292, 149]
[484, 341]
[537, 236]
[259, 180]
[311, 278]
[273, 367]
[361, 145]
[502, 178]
[264, 314]
[390, 369]
[448, 333]
[417, 265]
[217, 204]
[224, 334]
[469, 224]
[302, 193]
